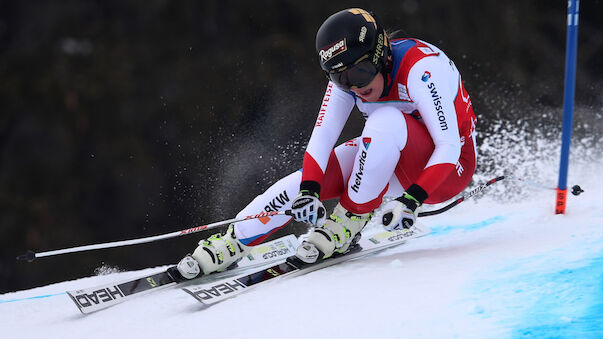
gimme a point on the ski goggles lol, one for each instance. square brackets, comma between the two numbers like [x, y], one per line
[358, 75]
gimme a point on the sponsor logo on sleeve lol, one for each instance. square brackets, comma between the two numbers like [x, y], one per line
[437, 103]
[323, 107]
[426, 76]
[277, 202]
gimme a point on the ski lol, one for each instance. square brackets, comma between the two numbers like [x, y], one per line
[96, 298]
[217, 291]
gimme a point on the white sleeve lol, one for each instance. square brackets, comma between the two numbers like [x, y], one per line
[431, 85]
[334, 112]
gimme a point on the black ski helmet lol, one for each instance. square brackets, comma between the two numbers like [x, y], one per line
[349, 35]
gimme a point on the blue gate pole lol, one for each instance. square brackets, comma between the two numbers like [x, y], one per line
[568, 101]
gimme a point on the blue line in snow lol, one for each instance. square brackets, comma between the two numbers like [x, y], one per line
[569, 304]
[31, 298]
[441, 230]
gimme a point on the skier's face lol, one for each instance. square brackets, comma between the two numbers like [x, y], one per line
[372, 91]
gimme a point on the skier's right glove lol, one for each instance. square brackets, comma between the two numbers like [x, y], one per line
[308, 208]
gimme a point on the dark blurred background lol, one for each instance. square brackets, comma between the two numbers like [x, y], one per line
[124, 119]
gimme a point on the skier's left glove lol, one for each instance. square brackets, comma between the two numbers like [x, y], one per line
[400, 213]
[308, 208]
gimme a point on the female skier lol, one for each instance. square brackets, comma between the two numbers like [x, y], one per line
[418, 144]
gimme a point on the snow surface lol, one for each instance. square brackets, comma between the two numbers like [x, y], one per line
[489, 269]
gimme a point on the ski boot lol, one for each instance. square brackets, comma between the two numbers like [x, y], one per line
[339, 232]
[216, 254]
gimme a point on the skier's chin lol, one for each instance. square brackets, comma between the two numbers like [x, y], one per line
[369, 95]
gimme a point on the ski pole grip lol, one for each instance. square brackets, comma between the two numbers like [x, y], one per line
[29, 256]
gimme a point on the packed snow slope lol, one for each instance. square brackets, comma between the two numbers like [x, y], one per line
[500, 266]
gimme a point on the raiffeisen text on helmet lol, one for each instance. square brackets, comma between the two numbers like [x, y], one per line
[330, 51]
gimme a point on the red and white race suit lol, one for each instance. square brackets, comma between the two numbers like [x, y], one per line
[421, 132]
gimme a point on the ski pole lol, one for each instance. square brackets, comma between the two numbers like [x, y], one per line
[31, 256]
[576, 190]
[462, 198]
